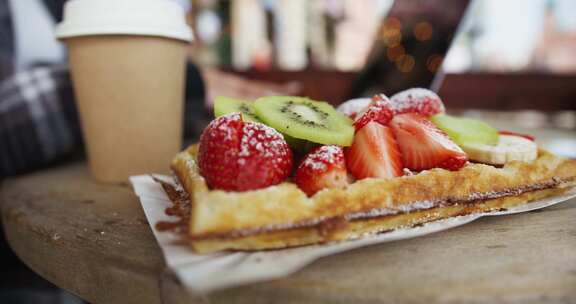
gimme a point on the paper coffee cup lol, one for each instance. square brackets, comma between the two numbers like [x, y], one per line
[127, 60]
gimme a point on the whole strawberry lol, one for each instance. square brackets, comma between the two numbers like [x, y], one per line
[323, 167]
[235, 155]
[417, 100]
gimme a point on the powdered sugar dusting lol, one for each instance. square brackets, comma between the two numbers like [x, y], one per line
[353, 106]
[264, 158]
[263, 140]
[314, 164]
[235, 155]
[321, 157]
[414, 99]
[408, 172]
[379, 110]
[222, 125]
[406, 208]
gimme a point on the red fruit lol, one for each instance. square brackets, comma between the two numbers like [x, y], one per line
[379, 110]
[374, 153]
[323, 167]
[237, 156]
[218, 151]
[424, 146]
[528, 137]
[417, 100]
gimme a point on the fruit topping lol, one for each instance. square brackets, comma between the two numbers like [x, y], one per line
[529, 137]
[249, 146]
[417, 100]
[509, 148]
[323, 167]
[237, 156]
[466, 130]
[352, 107]
[379, 110]
[374, 153]
[424, 146]
[304, 118]
[226, 105]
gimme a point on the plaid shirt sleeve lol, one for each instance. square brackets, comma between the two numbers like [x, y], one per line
[38, 120]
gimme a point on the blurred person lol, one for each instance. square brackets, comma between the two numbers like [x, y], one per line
[38, 117]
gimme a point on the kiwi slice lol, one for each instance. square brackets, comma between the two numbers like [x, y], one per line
[225, 105]
[304, 118]
[466, 130]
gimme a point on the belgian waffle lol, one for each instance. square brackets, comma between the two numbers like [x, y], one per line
[283, 216]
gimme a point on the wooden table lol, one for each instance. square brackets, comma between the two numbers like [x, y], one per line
[94, 241]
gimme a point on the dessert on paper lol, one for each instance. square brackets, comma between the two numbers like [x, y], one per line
[202, 273]
[285, 171]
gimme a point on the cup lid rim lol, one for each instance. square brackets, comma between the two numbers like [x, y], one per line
[63, 31]
[132, 17]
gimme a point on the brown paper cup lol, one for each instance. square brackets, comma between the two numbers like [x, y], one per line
[130, 92]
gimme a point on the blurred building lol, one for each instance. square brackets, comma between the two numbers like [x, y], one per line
[286, 34]
[339, 34]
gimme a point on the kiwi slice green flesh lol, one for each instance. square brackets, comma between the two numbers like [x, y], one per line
[303, 118]
[226, 105]
[466, 130]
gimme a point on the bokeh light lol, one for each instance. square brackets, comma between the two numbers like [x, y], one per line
[434, 62]
[391, 32]
[423, 31]
[405, 63]
[396, 52]
[392, 24]
[393, 40]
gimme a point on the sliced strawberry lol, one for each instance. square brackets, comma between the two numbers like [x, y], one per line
[374, 153]
[379, 110]
[237, 156]
[323, 167]
[417, 100]
[424, 146]
[528, 137]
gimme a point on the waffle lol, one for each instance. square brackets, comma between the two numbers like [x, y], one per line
[283, 216]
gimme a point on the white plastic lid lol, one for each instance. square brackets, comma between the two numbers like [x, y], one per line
[162, 18]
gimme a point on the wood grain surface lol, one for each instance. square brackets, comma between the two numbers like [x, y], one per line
[93, 240]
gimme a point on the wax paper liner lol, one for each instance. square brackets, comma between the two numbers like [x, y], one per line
[209, 272]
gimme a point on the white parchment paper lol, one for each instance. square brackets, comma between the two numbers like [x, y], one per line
[205, 273]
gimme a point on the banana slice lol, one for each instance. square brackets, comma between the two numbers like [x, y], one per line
[509, 148]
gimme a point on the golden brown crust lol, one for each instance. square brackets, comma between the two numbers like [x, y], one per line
[356, 229]
[282, 216]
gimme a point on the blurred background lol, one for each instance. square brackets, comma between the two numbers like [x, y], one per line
[504, 37]
[492, 59]
[495, 60]
[525, 46]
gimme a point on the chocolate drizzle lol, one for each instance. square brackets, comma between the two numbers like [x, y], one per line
[180, 208]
